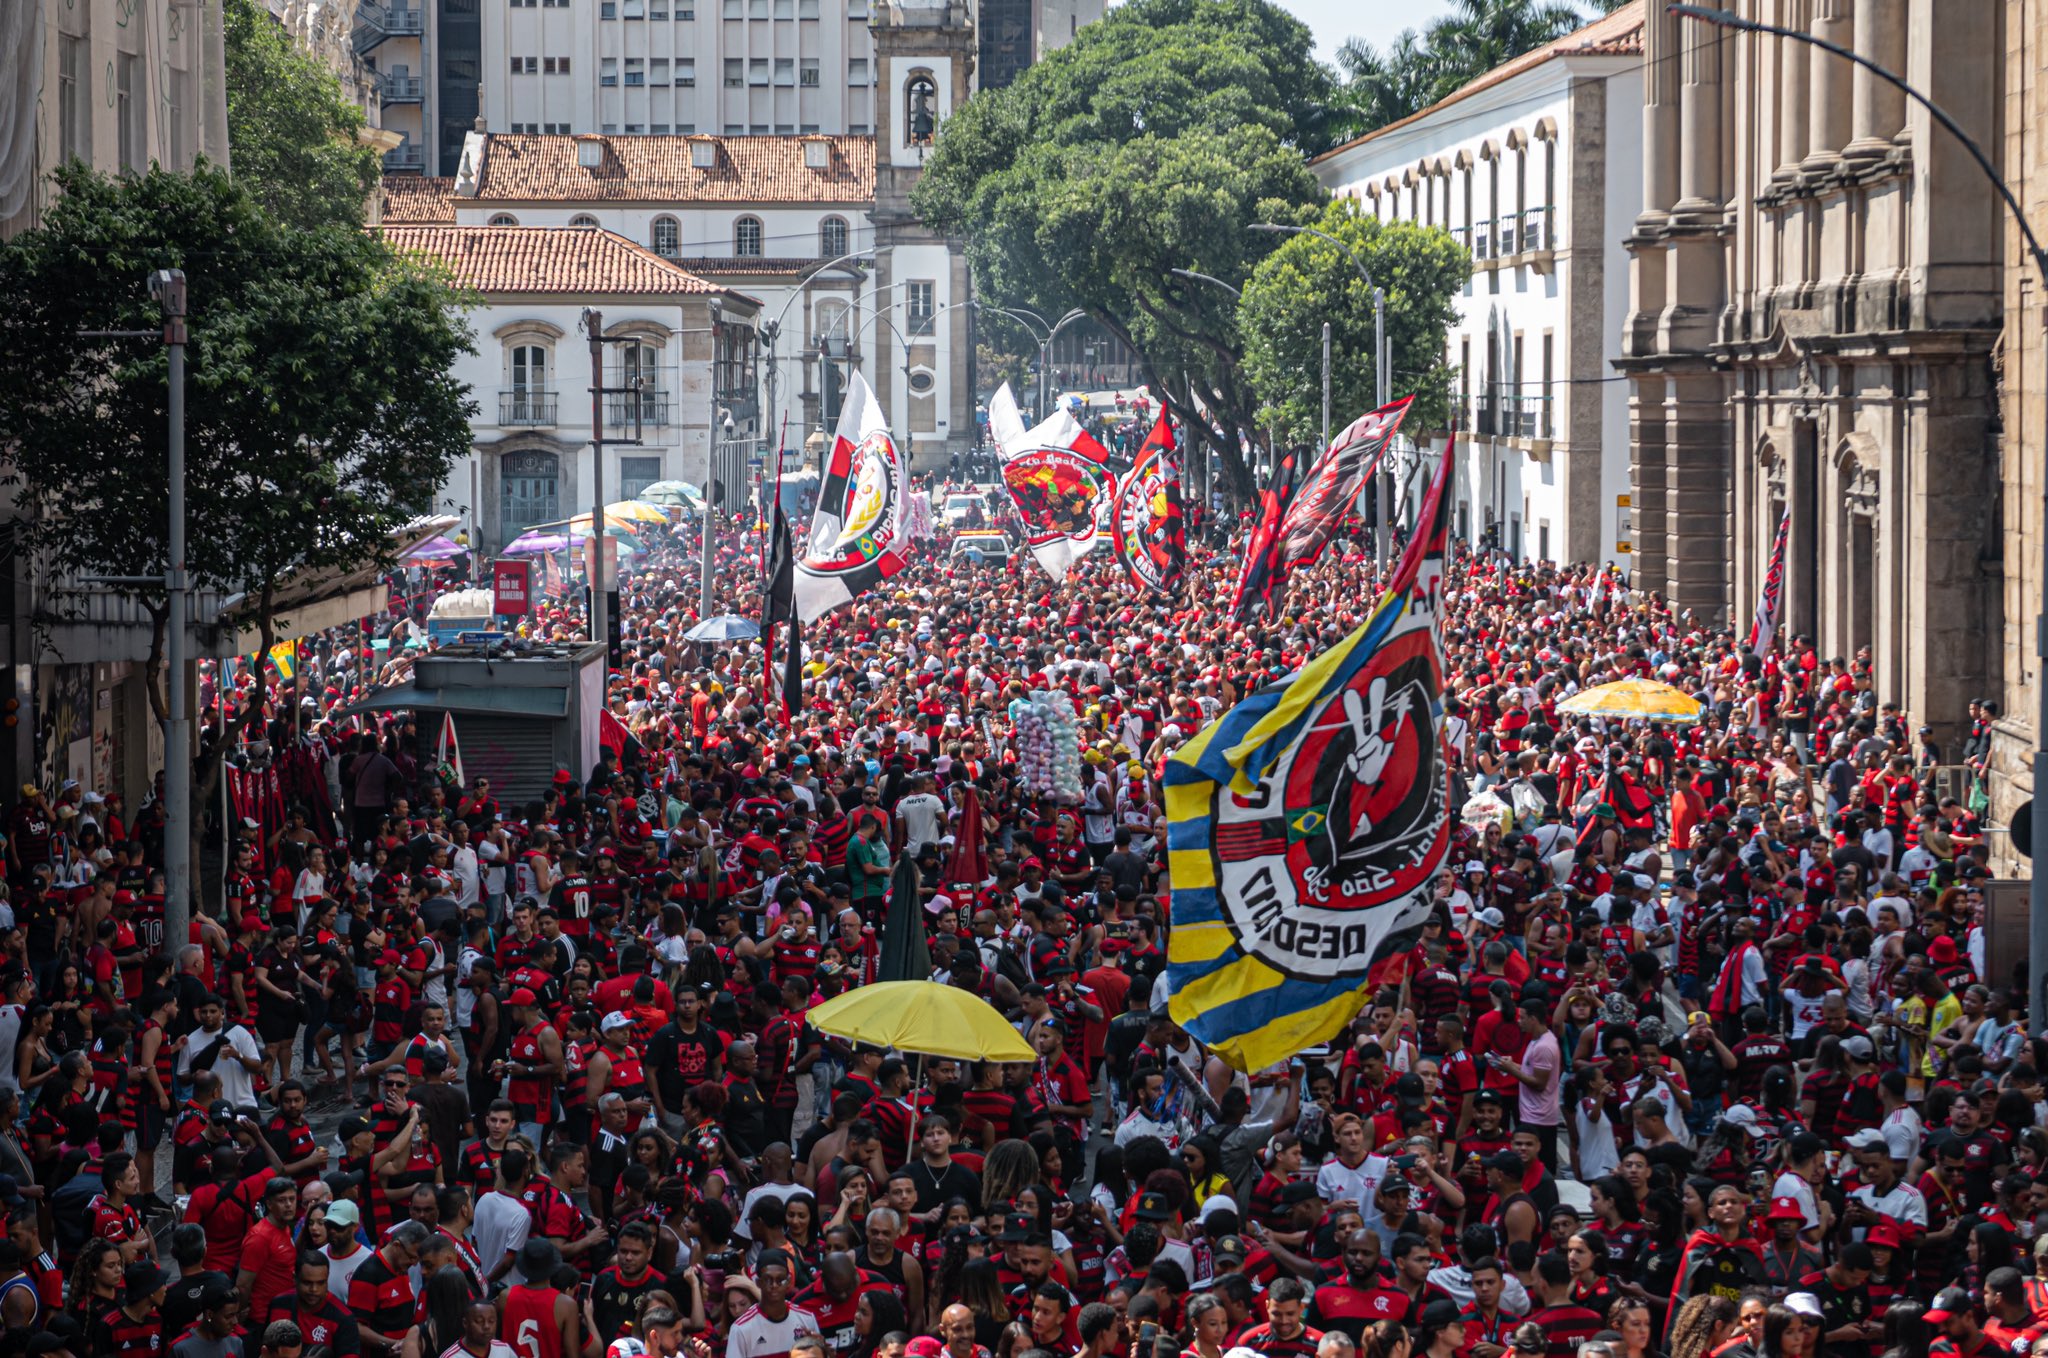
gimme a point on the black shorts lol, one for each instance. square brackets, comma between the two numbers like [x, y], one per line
[150, 1122]
[273, 1027]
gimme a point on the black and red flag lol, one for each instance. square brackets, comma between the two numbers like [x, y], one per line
[1147, 530]
[1335, 482]
[779, 606]
[1262, 584]
[1299, 516]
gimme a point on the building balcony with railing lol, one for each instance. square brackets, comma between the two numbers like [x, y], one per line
[375, 22]
[401, 89]
[1525, 237]
[406, 157]
[654, 409]
[527, 407]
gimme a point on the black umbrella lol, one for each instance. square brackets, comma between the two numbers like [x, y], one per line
[904, 954]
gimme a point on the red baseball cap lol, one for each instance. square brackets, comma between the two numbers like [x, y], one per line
[522, 998]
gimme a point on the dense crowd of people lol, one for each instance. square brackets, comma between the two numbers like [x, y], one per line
[1696, 1054]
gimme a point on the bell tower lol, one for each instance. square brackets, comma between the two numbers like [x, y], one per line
[922, 331]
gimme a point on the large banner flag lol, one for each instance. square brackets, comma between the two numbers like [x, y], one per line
[1334, 483]
[1058, 477]
[1307, 824]
[1262, 580]
[860, 534]
[1765, 628]
[1145, 524]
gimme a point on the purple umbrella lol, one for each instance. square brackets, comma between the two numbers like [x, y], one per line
[537, 544]
[436, 548]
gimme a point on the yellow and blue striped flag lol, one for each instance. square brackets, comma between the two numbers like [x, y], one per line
[1307, 825]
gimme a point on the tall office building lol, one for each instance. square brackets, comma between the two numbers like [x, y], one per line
[717, 67]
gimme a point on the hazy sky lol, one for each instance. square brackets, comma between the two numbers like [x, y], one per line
[1377, 21]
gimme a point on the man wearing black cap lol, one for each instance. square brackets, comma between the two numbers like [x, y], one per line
[135, 1328]
[1954, 1318]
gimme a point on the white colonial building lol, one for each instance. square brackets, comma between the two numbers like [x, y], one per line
[1537, 167]
[785, 229]
[687, 342]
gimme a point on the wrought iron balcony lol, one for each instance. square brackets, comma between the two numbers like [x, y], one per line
[527, 406]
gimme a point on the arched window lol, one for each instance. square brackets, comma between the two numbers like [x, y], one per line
[527, 399]
[668, 238]
[584, 219]
[504, 219]
[746, 238]
[832, 238]
[529, 367]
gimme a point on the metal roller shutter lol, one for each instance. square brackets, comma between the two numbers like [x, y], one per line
[517, 754]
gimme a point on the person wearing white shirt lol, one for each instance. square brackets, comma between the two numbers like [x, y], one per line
[1881, 1158]
[1878, 840]
[923, 816]
[1357, 1182]
[467, 874]
[771, 1326]
[233, 1051]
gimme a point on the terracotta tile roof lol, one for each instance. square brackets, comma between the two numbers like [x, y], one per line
[566, 259]
[1619, 34]
[530, 167]
[418, 200]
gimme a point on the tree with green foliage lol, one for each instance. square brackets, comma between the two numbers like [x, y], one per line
[1149, 143]
[321, 413]
[1476, 36]
[296, 139]
[1308, 281]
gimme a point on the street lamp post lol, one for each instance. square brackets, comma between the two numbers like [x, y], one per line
[2037, 894]
[1382, 374]
[168, 287]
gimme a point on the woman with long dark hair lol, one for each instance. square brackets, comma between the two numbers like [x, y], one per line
[878, 1316]
[440, 1325]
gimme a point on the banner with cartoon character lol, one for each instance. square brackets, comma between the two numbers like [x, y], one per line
[1058, 478]
[1307, 824]
[860, 534]
[1145, 525]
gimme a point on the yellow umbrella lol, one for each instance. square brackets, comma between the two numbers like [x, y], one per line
[613, 523]
[636, 511]
[1633, 700]
[924, 1017]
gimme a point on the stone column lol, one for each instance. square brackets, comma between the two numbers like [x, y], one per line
[1829, 103]
[1794, 68]
[1661, 45]
[1700, 114]
[1879, 107]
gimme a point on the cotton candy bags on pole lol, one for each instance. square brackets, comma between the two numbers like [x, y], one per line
[860, 535]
